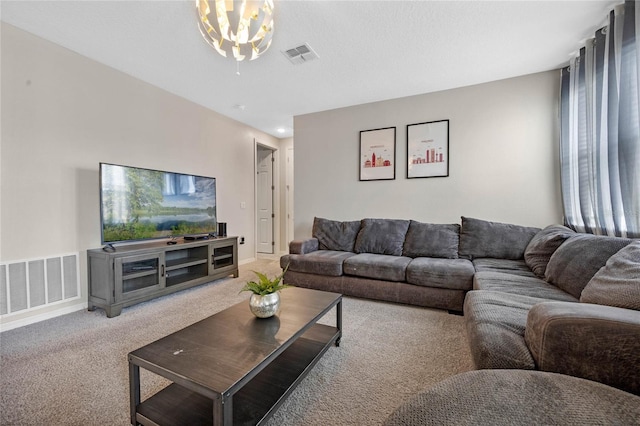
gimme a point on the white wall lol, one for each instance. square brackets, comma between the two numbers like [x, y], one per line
[503, 157]
[64, 113]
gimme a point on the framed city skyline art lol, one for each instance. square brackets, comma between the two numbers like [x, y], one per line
[378, 154]
[428, 149]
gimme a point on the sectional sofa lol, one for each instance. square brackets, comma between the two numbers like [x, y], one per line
[577, 312]
[547, 299]
[404, 261]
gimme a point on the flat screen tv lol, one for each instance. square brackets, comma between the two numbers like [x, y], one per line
[140, 204]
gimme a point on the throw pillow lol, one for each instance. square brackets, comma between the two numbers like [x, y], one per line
[576, 261]
[481, 238]
[543, 245]
[335, 235]
[432, 240]
[617, 283]
[381, 236]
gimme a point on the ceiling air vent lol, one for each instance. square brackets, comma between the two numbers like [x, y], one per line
[300, 54]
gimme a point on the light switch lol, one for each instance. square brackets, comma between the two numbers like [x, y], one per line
[243, 205]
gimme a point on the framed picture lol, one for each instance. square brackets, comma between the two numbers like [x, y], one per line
[378, 154]
[428, 149]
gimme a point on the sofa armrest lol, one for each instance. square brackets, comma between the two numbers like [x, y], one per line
[303, 246]
[595, 342]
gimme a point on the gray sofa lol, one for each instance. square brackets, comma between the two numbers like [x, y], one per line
[403, 261]
[539, 299]
[576, 311]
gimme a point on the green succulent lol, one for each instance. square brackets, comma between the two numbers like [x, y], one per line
[264, 285]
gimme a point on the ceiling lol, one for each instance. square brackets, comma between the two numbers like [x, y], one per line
[368, 50]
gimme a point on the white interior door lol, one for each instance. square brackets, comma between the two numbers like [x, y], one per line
[264, 165]
[289, 195]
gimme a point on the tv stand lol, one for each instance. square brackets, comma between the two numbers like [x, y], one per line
[136, 273]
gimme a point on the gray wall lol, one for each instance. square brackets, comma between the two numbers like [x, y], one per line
[64, 113]
[503, 157]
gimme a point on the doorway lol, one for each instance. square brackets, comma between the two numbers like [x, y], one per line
[264, 199]
[289, 199]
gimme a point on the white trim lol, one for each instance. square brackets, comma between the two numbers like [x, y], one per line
[41, 317]
[35, 308]
[268, 256]
[245, 261]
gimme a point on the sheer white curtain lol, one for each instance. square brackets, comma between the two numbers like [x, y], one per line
[600, 130]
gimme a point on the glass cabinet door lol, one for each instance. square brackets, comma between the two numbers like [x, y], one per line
[138, 275]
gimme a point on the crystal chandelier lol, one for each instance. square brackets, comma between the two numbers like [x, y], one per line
[241, 28]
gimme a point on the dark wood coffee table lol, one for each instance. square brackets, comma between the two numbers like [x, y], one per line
[233, 368]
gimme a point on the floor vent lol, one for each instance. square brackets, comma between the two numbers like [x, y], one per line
[300, 54]
[31, 284]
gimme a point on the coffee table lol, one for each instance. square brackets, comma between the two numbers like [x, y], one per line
[233, 368]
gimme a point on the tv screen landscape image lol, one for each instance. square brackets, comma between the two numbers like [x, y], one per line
[138, 204]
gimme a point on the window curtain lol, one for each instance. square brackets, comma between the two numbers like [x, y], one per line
[600, 130]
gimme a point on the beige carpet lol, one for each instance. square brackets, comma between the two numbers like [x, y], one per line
[72, 370]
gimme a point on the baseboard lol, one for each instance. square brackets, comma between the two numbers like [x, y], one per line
[268, 257]
[10, 325]
[245, 261]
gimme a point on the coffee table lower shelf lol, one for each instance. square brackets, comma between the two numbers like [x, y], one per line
[256, 400]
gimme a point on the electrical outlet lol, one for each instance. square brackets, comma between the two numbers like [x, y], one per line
[241, 240]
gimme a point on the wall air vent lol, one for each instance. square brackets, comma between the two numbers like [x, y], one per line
[300, 54]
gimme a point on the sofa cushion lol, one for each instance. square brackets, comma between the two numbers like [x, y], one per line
[432, 240]
[543, 245]
[481, 238]
[303, 246]
[495, 324]
[516, 267]
[454, 274]
[377, 266]
[335, 235]
[518, 284]
[576, 261]
[381, 236]
[617, 283]
[321, 262]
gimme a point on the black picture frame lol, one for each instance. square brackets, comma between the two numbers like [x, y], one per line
[428, 149]
[377, 155]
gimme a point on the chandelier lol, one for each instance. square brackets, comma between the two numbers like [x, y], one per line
[238, 28]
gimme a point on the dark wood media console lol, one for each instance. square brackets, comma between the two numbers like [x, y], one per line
[139, 272]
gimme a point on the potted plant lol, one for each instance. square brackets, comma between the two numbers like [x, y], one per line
[265, 299]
